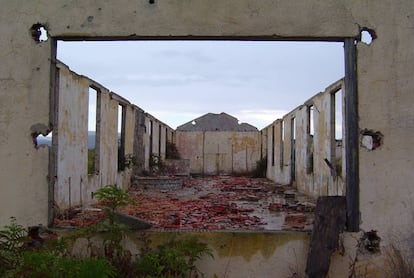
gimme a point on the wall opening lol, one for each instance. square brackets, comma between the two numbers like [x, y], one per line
[39, 32]
[92, 134]
[273, 145]
[40, 140]
[310, 130]
[336, 133]
[367, 36]
[159, 80]
[151, 139]
[293, 149]
[159, 140]
[282, 143]
[121, 136]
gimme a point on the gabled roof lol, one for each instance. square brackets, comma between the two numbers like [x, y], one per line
[216, 122]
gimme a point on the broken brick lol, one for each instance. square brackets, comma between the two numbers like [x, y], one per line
[275, 207]
[295, 218]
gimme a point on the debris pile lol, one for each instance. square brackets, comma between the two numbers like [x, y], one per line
[211, 203]
[223, 203]
[77, 217]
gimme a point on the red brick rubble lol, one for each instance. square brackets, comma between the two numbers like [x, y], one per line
[212, 203]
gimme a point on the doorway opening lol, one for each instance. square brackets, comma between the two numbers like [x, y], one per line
[147, 77]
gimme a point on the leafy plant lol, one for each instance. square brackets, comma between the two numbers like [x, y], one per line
[176, 258]
[261, 168]
[46, 264]
[112, 197]
[12, 239]
[156, 165]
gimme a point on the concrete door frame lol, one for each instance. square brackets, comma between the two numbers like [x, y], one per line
[351, 111]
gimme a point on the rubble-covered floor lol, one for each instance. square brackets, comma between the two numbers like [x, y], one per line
[224, 203]
[212, 203]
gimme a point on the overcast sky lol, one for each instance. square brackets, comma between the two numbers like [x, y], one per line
[178, 81]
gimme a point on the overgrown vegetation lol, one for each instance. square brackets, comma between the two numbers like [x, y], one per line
[24, 255]
[176, 258]
[112, 198]
[261, 168]
[156, 164]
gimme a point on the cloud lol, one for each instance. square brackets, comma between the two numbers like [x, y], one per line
[171, 79]
[178, 81]
[260, 118]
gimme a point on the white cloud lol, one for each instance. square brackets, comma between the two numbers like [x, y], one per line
[177, 81]
[260, 118]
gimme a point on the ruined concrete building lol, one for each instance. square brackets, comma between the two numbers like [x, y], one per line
[371, 167]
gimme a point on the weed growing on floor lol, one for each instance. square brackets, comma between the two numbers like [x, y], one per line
[261, 168]
[112, 198]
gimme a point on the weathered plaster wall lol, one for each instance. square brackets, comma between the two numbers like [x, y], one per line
[236, 254]
[385, 82]
[74, 186]
[189, 146]
[155, 139]
[304, 152]
[140, 131]
[219, 152]
[129, 130]
[72, 138]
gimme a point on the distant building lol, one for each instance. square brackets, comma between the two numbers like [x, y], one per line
[218, 144]
[216, 122]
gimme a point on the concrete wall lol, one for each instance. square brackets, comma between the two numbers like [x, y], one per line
[74, 186]
[72, 138]
[155, 139]
[384, 83]
[307, 155]
[219, 152]
[235, 254]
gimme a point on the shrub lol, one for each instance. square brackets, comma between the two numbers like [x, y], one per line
[46, 264]
[112, 197]
[176, 258]
[261, 168]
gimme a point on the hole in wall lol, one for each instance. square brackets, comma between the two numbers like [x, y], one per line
[41, 134]
[368, 36]
[371, 140]
[40, 140]
[370, 242]
[39, 32]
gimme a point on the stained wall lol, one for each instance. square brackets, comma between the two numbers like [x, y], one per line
[116, 117]
[219, 152]
[384, 83]
[302, 149]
